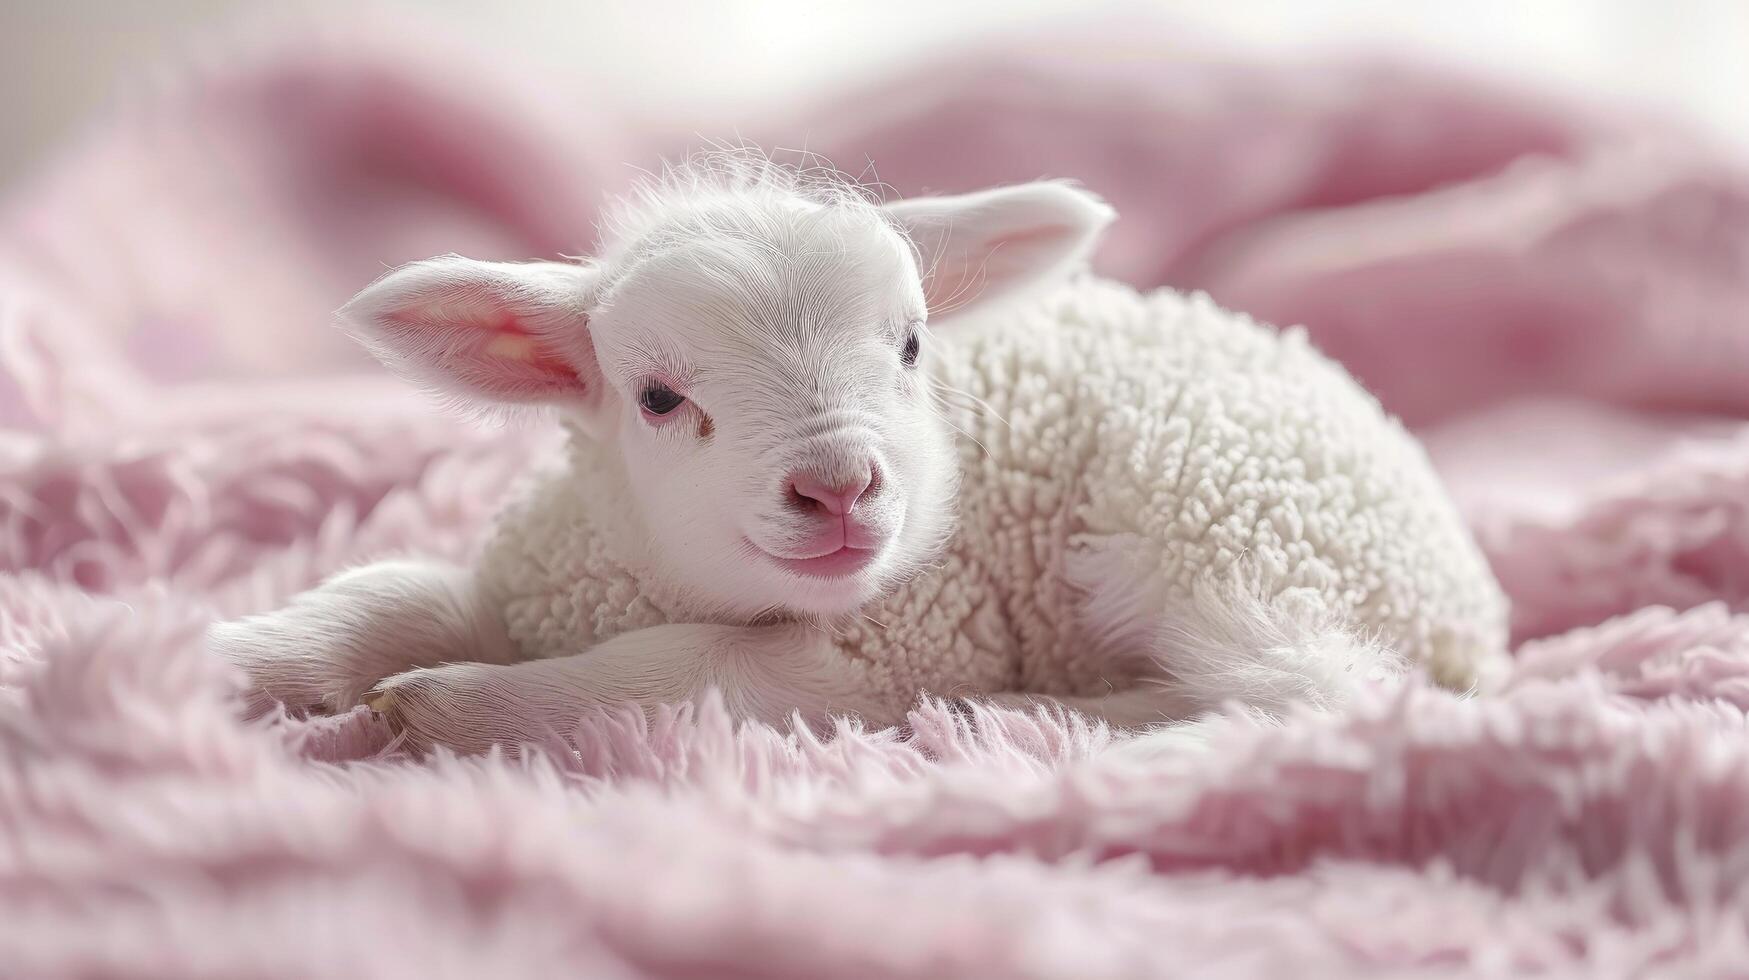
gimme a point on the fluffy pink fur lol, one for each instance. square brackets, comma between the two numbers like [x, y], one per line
[1589, 820]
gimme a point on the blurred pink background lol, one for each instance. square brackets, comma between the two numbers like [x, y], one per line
[59, 61]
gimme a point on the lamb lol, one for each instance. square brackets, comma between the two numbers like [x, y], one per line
[825, 455]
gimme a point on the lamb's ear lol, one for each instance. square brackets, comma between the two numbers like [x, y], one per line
[991, 245]
[486, 334]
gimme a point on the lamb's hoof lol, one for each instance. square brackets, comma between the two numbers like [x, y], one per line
[380, 701]
[384, 703]
[438, 706]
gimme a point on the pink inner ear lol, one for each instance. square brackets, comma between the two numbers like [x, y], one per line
[1037, 233]
[524, 346]
[490, 351]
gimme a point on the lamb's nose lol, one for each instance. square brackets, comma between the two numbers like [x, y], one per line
[835, 497]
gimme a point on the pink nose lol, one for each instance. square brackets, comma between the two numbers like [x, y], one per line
[838, 499]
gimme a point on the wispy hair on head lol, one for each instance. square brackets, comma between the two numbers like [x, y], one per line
[735, 192]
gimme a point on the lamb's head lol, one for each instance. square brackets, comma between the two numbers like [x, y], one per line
[751, 345]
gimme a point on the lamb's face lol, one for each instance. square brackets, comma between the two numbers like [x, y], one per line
[752, 347]
[775, 421]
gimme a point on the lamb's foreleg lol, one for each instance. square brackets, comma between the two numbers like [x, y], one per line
[765, 673]
[338, 640]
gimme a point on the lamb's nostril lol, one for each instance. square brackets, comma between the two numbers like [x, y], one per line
[797, 499]
[808, 492]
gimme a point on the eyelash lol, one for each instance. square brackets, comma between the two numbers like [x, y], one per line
[912, 348]
[656, 390]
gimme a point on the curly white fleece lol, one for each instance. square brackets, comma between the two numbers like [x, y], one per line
[1154, 443]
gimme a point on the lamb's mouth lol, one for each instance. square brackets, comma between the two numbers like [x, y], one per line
[843, 563]
[840, 563]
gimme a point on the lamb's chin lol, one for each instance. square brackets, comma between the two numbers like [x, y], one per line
[830, 595]
[826, 611]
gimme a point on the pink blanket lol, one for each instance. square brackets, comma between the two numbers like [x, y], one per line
[1555, 296]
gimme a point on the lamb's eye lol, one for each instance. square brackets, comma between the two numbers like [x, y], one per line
[659, 399]
[913, 345]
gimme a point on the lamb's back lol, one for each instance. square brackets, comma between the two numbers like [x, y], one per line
[1193, 443]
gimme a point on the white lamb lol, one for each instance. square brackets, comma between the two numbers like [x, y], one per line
[780, 483]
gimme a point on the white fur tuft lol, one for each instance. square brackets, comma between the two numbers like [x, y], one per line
[1228, 644]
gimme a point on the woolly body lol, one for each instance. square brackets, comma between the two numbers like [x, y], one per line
[1157, 434]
